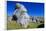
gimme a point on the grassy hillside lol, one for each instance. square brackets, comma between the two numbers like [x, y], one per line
[14, 25]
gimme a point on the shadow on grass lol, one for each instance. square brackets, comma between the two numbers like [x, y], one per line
[41, 26]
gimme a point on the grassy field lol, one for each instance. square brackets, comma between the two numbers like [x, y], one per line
[14, 25]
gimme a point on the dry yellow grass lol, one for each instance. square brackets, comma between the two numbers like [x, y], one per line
[14, 25]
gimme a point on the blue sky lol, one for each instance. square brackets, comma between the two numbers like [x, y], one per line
[34, 9]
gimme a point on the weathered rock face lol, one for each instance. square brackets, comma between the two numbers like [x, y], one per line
[31, 19]
[14, 18]
[21, 13]
[36, 19]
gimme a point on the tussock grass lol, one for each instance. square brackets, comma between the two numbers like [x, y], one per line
[13, 25]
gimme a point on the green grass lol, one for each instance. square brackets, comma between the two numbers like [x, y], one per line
[14, 25]
[33, 25]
